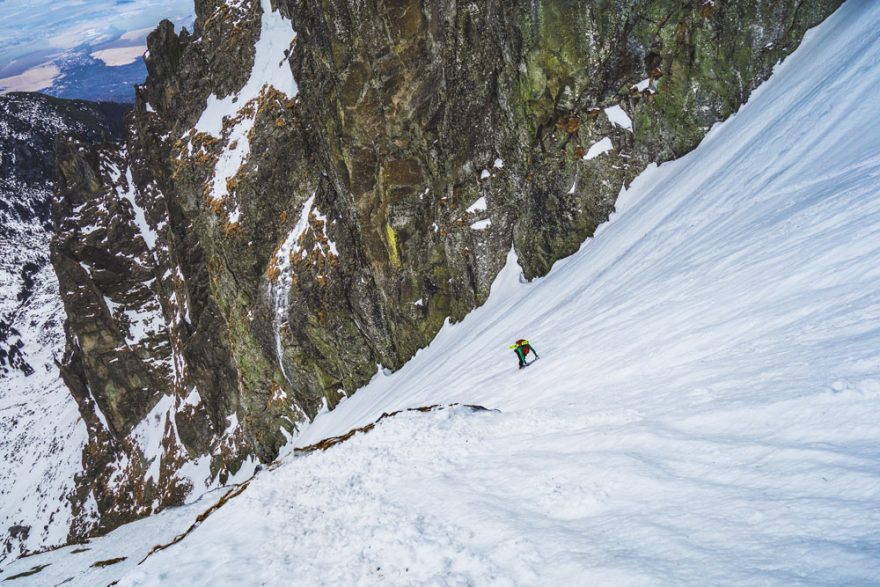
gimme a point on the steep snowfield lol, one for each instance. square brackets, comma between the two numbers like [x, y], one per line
[704, 410]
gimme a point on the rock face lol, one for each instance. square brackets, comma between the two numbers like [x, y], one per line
[41, 438]
[290, 209]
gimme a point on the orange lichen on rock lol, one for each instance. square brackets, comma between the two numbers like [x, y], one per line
[231, 228]
[708, 7]
[569, 124]
[273, 270]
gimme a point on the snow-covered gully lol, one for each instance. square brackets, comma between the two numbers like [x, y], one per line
[704, 412]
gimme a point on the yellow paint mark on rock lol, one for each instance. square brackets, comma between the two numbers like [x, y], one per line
[392, 246]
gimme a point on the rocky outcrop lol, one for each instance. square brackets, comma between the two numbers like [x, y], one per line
[285, 237]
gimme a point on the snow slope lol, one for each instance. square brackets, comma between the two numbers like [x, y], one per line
[704, 410]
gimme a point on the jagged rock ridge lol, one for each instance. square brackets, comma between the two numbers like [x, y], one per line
[262, 241]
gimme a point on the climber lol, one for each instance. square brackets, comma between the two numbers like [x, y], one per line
[523, 348]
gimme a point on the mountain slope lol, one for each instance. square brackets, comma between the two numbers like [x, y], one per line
[757, 252]
[319, 186]
[41, 434]
[704, 411]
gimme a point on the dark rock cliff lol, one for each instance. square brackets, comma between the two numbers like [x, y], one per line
[257, 247]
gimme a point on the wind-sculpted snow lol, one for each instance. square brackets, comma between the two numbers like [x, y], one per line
[704, 410]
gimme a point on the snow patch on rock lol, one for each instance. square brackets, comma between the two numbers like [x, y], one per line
[481, 224]
[478, 206]
[598, 148]
[618, 117]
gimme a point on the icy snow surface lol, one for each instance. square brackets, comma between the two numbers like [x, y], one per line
[230, 160]
[128, 193]
[280, 289]
[704, 411]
